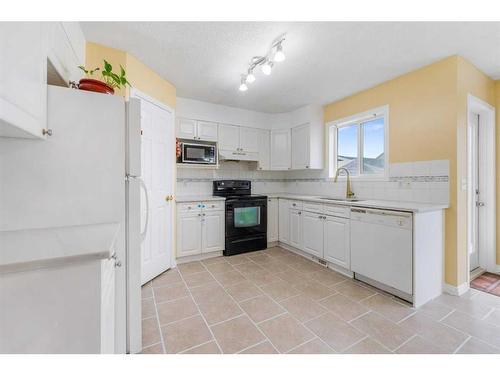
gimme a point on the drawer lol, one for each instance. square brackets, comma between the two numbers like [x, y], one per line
[341, 211]
[313, 207]
[189, 206]
[296, 204]
[213, 205]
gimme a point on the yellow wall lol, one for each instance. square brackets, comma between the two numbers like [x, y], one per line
[139, 75]
[426, 112]
[497, 106]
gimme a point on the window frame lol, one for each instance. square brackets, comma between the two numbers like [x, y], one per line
[357, 119]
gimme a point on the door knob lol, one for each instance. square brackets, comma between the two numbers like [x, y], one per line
[168, 198]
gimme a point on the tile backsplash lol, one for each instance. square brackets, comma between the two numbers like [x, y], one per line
[423, 181]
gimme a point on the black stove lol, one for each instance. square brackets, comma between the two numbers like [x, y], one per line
[246, 216]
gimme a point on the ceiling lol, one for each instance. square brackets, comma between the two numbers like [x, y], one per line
[325, 61]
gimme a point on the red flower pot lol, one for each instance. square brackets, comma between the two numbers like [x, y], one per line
[95, 85]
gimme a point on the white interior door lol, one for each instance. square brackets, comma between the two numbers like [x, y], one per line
[473, 191]
[158, 163]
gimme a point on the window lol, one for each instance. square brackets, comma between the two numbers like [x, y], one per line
[358, 144]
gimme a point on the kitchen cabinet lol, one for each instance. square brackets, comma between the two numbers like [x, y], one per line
[307, 147]
[197, 130]
[313, 233]
[284, 220]
[66, 50]
[23, 79]
[200, 228]
[337, 241]
[212, 231]
[280, 149]
[296, 229]
[264, 162]
[272, 219]
[238, 138]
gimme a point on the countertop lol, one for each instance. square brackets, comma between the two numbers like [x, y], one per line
[21, 250]
[369, 203]
[197, 198]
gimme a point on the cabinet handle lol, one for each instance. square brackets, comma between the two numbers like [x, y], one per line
[307, 166]
[199, 214]
[300, 213]
[202, 214]
[47, 132]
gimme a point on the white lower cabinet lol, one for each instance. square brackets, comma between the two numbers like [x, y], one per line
[296, 228]
[212, 231]
[188, 234]
[337, 241]
[284, 220]
[272, 219]
[313, 229]
[305, 226]
[200, 228]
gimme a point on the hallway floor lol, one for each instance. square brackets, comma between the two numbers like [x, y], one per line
[274, 301]
[488, 283]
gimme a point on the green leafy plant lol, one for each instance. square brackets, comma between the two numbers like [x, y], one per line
[108, 76]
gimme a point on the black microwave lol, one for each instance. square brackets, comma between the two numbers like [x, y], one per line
[198, 153]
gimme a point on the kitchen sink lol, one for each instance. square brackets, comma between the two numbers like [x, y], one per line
[340, 199]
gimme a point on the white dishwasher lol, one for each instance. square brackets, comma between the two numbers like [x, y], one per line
[381, 249]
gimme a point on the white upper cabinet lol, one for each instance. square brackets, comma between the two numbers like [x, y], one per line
[249, 139]
[238, 138]
[264, 150]
[198, 130]
[25, 49]
[229, 137]
[300, 147]
[280, 149]
[23, 79]
[307, 146]
[207, 131]
[66, 50]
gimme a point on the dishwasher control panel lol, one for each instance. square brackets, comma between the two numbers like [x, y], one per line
[398, 219]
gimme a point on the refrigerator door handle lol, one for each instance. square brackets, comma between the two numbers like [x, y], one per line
[143, 232]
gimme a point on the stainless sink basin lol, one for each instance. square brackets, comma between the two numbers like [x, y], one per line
[340, 199]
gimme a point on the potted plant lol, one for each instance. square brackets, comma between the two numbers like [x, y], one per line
[108, 82]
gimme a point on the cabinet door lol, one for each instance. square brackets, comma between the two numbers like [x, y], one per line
[337, 241]
[207, 131]
[300, 147]
[312, 229]
[296, 228]
[23, 79]
[264, 150]
[284, 220]
[229, 137]
[272, 219]
[249, 139]
[188, 234]
[186, 128]
[280, 149]
[212, 231]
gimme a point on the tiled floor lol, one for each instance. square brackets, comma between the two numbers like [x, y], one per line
[274, 301]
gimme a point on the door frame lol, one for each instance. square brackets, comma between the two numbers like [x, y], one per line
[135, 93]
[487, 183]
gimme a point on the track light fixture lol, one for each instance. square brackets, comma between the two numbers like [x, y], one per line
[266, 63]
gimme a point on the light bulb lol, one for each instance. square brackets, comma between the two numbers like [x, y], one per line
[267, 68]
[243, 86]
[279, 55]
[250, 77]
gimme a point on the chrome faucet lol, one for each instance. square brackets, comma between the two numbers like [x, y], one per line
[348, 192]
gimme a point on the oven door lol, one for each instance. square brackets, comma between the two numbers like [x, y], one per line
[246, 217]
[198, 153]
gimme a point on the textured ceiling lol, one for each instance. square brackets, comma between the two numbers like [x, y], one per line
[325, 61]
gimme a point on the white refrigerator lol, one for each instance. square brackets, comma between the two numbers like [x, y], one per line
[87, 172]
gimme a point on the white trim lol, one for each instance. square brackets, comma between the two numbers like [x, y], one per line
[135, 93]
[456, 290]
[487, 230]
[331, 136]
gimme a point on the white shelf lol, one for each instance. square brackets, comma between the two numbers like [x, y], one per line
[197, 166]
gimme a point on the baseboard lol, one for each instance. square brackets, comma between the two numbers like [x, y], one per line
[456, 290]
[193, 258]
